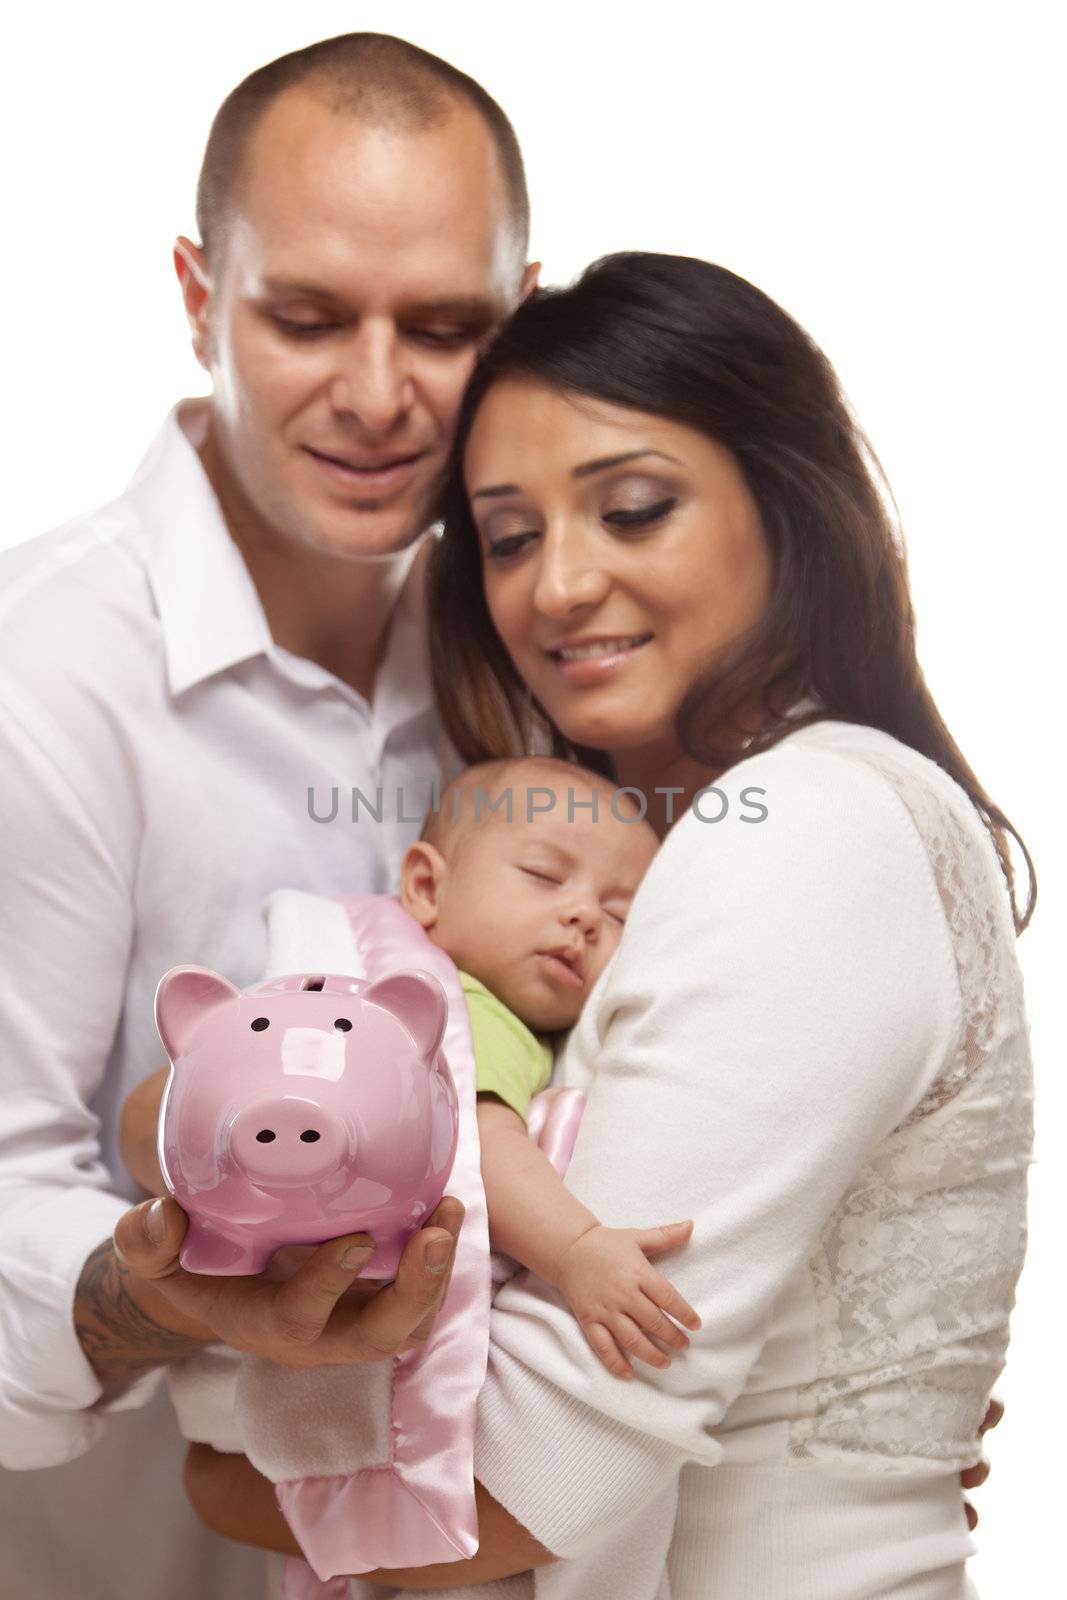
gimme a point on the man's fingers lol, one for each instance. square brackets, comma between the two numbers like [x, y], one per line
[448, 1215]
[149, 1237]
[405, 1309]
[302, 1305]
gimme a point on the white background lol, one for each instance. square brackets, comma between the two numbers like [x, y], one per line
[890, 173]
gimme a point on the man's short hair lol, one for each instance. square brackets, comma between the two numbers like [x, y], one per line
[386, 80]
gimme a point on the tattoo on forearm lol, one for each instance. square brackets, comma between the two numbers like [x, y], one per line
[120, 1339]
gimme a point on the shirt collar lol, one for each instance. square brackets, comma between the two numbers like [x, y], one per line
[208, 606]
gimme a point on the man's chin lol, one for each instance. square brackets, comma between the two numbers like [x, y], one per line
[367, 533]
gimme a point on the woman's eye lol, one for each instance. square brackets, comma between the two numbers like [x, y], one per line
[509, 544]
[639, 516]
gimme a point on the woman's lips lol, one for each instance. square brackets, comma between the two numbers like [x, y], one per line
[376, 477]
[594, 660]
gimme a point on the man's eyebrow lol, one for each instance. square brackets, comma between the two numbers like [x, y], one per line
[475, 310]
[585, 470]
[469, 308]
[310, 291]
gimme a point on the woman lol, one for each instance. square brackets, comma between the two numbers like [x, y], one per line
[667, 555]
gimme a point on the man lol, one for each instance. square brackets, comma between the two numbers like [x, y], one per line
[177, 672]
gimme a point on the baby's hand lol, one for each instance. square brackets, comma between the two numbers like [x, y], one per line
[620, 1300]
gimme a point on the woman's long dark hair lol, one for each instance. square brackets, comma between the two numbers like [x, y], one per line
[682, 339]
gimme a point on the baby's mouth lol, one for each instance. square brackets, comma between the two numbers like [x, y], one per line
[565, 963]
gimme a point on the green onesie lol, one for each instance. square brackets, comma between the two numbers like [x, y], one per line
[509, 1060]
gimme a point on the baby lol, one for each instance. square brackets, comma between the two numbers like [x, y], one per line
[524, 876]
[526, 887]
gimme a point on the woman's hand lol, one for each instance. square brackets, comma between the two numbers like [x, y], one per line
[138, 1122]
[974, 1477]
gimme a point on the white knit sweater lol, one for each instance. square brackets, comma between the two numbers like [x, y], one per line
[812, 1042]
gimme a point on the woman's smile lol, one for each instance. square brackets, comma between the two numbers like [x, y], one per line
[590, 660]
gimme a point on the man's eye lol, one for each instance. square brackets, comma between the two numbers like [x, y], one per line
[302, 330]
[639, 516]
[443, 338]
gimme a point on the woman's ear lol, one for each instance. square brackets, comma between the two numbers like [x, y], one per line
[422, 877]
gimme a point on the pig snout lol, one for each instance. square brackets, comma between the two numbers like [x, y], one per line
[287, 1139]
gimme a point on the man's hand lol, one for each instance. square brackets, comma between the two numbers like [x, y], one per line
[137, 1308]
[138, 1123]
[621, 1302]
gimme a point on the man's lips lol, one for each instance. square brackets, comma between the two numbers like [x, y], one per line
[377, 471]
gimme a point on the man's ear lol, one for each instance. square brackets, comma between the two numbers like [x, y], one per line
[422, 876]
[190, 263]
[530, 276]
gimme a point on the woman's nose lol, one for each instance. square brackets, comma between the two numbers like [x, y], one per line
[570, 577]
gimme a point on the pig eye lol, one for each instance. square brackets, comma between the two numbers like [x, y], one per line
[260, 1023]
[343, 1025]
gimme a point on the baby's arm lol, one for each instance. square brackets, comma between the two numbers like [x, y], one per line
[604, 1273]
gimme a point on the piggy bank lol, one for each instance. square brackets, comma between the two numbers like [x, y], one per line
[301, 1109]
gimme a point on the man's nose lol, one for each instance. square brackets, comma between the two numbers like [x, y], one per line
[373, 384]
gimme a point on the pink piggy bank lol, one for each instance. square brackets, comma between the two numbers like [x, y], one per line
[301, 1109]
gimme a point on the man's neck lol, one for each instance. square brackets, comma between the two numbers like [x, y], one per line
[319, 605]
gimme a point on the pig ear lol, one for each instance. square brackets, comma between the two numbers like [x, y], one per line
[418, 1001]
[184, 998]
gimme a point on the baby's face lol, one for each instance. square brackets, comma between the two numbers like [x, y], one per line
[535, 908]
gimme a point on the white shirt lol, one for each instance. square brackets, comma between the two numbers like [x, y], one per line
[812, 1041]
[157, 751]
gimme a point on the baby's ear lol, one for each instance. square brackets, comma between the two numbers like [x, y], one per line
[422, 877]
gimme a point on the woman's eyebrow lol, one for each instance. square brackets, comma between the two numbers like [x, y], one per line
[602, 463]
[495, 490]
[585, 470]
